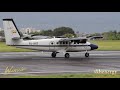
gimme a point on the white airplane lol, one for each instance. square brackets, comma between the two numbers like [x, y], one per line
[55, 45]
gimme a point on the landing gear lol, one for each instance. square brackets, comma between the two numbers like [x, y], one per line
[53, 54]
[67, 55]
[86, 54]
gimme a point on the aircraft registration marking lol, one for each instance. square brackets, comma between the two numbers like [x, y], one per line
[33, 43]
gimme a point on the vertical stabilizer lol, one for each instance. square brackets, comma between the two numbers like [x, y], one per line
[12, 34]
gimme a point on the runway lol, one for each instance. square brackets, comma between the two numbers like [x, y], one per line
[43, 63]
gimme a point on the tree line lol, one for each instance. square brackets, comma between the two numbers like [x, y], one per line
[69, 32]
[110, 35]
[61, 31]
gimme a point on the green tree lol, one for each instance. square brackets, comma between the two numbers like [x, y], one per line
[35, 33]
[47, 33]
[111, 35]
[56, 32]
[69, 35]
[63, 30]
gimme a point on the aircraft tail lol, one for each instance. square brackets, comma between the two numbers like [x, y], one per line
[12, 34]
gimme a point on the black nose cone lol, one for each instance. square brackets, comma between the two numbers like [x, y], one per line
[93, 46]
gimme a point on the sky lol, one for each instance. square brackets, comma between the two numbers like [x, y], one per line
[84, 22]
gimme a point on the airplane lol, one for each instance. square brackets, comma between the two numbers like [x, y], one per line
[55, 45]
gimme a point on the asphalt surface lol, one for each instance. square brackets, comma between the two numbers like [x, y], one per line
[43, 63]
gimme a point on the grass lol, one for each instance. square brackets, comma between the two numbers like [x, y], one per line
[67, 76]
[5, 48]
[107, 45]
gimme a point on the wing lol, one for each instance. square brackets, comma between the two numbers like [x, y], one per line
[79, 40]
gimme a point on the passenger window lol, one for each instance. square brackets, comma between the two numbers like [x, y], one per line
[60, 42]
[77, 42]
[74, 42]
[66, 42]
[52, 43]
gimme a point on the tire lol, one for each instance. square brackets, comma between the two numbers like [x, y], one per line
[53, 54]
[86, 54]
[67, 55]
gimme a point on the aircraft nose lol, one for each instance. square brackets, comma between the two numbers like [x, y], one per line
[93, 46]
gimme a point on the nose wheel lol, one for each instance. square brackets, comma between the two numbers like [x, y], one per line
[67, 55]
[86, 54]
[53, 54]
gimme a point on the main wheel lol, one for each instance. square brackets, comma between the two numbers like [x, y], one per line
[67, 55]
[53, 54]
[86, 54]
